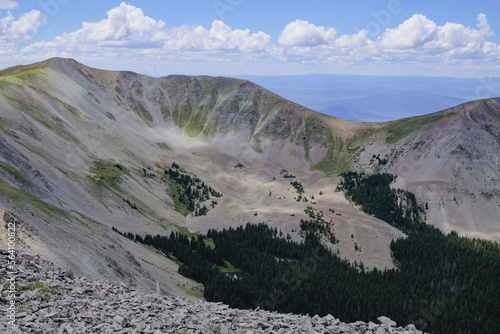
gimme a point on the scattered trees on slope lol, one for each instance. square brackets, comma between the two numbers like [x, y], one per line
[190, 190]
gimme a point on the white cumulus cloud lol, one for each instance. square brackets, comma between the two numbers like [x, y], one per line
[219, 37]
[127, 26]
[356, 42]
[418, 40]
[304, 41]
[304, 34]
[421, 35]
[22, 28]
[413, 33]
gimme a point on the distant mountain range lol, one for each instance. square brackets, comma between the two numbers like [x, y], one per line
[377, 98]
[84, 150]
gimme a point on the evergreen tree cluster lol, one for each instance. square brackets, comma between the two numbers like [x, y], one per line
[148, 173]
[380, 161]
[197, 260]
[132, 205]
[394, 206]
[318, 225]
[191, 191]
[298, 186]
[128, 235]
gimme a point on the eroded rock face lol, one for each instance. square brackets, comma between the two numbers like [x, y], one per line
[51, 300]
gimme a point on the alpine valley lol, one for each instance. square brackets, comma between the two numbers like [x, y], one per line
[92, 161]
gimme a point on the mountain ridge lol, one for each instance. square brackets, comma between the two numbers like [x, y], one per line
[65, 127]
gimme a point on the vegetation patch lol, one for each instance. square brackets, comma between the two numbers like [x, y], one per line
[106, 171]
[31, 287]
[164, 146]
[197, 154]
[30, 148]
[63, 105]
[37, 285]
[55, 124]
[188, 192]
[197, 122]
[24, 197]
[298, 187]
[183, 115]
[21, 104]
[23, 73]
[132, 205]
[4, 125]
[402, 128]
[186, 232]
[209, 243]
[317, 225]
[336, 160]
[374, 194]
[61, 130]
[14, 172]
[140, 109]
[228, 268]
[256, 146]
[30, 132]
[487, 195]
[176, 192]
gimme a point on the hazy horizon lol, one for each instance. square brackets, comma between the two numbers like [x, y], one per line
[377, 98]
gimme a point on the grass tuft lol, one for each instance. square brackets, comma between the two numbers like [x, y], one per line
[24, 197]
[14, 172]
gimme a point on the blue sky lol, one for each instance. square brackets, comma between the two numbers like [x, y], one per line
[235, 37]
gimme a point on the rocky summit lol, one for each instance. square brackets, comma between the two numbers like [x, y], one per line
[51, 300]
